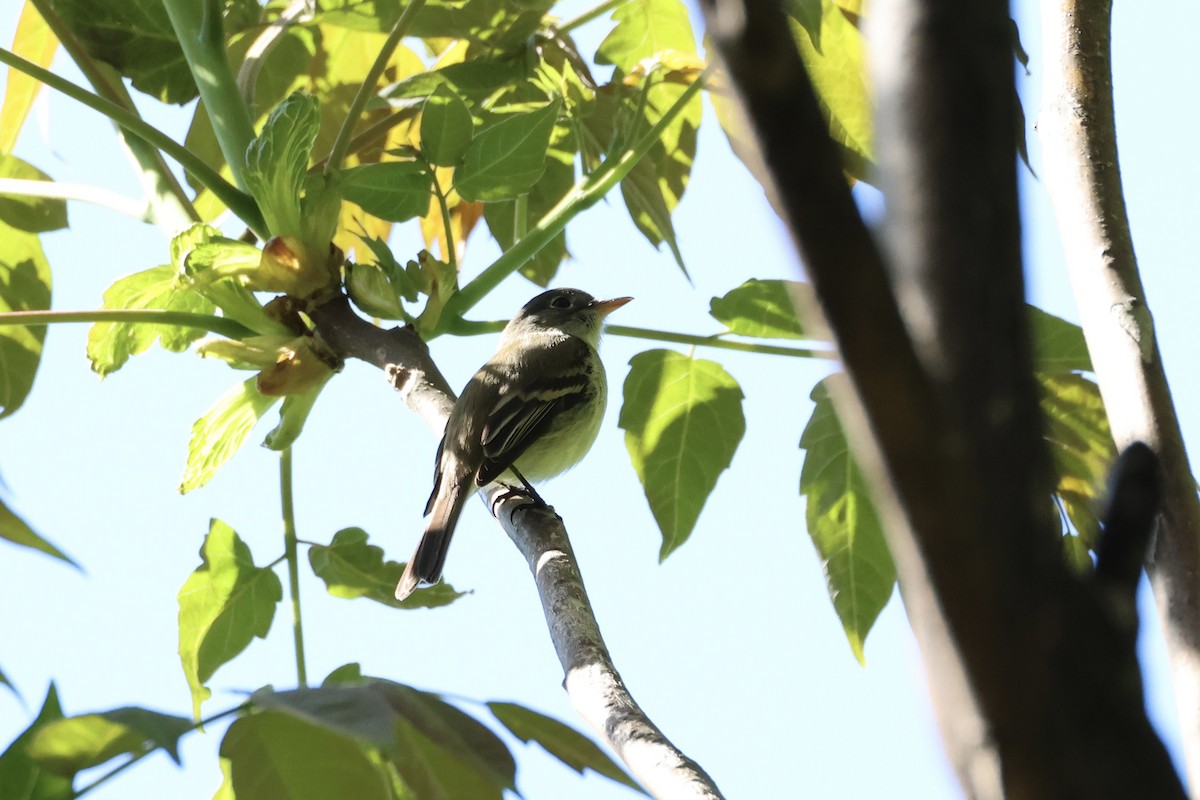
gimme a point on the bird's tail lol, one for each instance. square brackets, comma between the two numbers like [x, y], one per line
[430, 556]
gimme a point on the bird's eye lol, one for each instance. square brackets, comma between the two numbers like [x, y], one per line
[561, 302]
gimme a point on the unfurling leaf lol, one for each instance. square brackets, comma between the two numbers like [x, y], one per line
[277, 162]
[767, 309]
[67, 746]
[508, 158]
[683, 421]
[560, 740]
[219, 434]
[843, 523]
[223, 605]
[110, 344]
[352, 568]
[24, 286]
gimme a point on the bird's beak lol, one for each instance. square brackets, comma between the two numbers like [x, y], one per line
[606, 307]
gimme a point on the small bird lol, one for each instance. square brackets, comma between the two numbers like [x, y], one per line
[533, 410]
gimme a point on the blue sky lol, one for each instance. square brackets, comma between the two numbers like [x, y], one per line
[731, 645]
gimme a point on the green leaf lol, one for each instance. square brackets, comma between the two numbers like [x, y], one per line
[508, 158]
[352, 568]
[767, 309]
[843, 522]
[24, 286]
[274, 756]
[645, 28]
[223, 605]
[436, 748]
[4, 681]
[32, 214]
[292, 416]
[22, 778]
[277, 162]
[33, 41]
[475, 79]
[136, 38]
[67, 746]
[110, 344]
[1081, 448]
[551, 188]
[648, 207]
[394, 190]
[369, 288]
[446, 127]
[835, 64]
[15, 530]
[683, 421]
[220, 433]
[1058, 345]
[561, 741]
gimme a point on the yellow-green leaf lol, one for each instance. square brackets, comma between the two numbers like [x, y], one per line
[446, 127]
[32, 214]
[33, 41]
[220, 433]
[67, 746]
[683, 421]
[223, 605]
[15, 530]
[508, 158]
[843, 523]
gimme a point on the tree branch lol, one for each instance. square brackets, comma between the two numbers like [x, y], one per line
[1077, 127]
[592, 682]
[1037, 689]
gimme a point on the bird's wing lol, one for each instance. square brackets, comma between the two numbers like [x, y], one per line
[521, 415]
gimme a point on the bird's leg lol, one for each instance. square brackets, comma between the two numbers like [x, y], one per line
[524, 490]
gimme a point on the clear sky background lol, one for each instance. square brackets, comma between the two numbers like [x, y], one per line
[731, 645]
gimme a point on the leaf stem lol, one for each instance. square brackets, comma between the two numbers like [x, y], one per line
[198, 28]
[238, 201]
[480, 327]
[341, 144]
[183, 319]
[448, 236]
[589, 15]
[293, 565]
[76, 191]
[583, 195]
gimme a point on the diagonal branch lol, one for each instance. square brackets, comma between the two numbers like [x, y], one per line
[591, 681]
[1077, 127]
[1037, 686]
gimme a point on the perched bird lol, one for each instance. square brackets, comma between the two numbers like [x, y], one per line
[533, 410]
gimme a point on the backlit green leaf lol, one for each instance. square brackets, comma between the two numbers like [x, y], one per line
[1081, 448]
[561, 741]
[352, 568]
[15, 530]
[648, 207]
[220, 433]
[275, 756]
[67, 746]
[110, 344]
[766, 309]
[835, 64]
[843, 523]
[24, 286]
[22, 778]
[223, 605]
[508, 158]
[32, 214]
[446, 127]
[645, 28]
[1058, 345]
[394, 190]
[438, 750]
[683, 421]
[136, 38]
